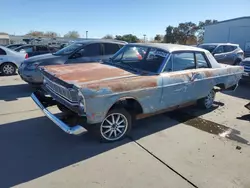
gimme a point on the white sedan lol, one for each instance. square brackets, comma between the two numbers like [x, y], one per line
[10, 60]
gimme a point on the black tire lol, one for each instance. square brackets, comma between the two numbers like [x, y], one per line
[101, 130]
[237, 62]
[207, 102]
[8, 69]
[64, 109]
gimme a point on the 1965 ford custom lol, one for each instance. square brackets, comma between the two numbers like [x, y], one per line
[138, 81]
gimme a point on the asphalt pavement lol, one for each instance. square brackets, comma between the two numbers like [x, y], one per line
[186, 148]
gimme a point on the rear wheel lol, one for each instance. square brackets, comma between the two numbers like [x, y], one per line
[8, 69]
[237, 62]
[207, 102]
[115, 126]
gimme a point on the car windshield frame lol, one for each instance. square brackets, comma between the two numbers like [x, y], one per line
[75, 46]
[124, 64]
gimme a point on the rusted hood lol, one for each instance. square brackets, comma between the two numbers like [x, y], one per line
[87, 73]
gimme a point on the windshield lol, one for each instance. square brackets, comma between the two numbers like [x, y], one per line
[68, 49]
[140, 58]
[210, 48]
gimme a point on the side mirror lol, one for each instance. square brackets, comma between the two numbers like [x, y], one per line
[76, 55]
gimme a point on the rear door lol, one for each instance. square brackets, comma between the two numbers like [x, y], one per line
[109, 50]
[41, 49]
[89, 53]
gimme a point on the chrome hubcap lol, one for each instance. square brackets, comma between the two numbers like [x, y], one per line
[210, 99]
[8, 69]
[114, 126]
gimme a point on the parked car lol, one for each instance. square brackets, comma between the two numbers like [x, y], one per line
[10, 60]
[226, 53]
[111, 94]
[79, 52]
[13, 46]
[34, 49]
[246, 64]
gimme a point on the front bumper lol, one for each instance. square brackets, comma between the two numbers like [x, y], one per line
[30, 76]
[75, 130]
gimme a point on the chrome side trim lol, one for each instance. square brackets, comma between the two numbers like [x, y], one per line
[76, 130]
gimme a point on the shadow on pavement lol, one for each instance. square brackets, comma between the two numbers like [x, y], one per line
[243, 91]
[13, 92]
[36, 147]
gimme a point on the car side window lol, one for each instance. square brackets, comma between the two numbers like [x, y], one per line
[183, 61]
[91, 50]
[110, 48]
[2, 52]
[201, 61]
[41, 48]
[219, 50]
[229, 48]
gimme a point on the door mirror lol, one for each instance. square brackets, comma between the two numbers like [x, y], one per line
[76, 55]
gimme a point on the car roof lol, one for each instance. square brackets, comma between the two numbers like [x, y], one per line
[89, 41]
[169, 47]
[219, 44]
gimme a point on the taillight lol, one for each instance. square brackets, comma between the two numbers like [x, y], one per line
[26, 56]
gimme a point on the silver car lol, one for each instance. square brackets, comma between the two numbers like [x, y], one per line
[226, 53]
[10, 60]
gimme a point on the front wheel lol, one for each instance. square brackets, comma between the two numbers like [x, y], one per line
[207, 102]
[115, 126]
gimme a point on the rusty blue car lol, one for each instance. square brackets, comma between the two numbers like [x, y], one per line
[138, 81]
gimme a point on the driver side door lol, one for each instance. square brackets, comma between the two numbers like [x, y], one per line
[89, 53]
[177, 78]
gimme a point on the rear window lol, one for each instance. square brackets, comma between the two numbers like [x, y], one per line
[110, 48]
[210, 48]
[229, 48]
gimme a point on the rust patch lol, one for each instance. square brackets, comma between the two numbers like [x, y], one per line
[87, 72]
[208, 74]
[142, 116]
[126, 84]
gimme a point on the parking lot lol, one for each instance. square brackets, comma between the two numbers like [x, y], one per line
[187, 148]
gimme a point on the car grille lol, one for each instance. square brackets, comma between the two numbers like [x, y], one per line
[67, 93]
[246, 65]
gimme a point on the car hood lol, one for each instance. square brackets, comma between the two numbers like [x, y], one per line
[79, 74]
[44, 57]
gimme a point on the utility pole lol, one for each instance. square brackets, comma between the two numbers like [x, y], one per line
[144, 38]
[86, 34]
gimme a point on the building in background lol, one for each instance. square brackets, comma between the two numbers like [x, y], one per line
[4, 39]
[230, 31]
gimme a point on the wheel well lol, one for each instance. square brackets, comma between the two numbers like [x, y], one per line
[130, 104]
[221, 86]
[10, 63]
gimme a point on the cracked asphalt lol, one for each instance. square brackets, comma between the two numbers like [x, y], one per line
[185, 148]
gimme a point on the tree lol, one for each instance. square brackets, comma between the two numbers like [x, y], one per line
[158, 38]
[72, 34]
[201, 29]
[169, 37]
[108, 37]
[127, 38]
[36, 33]
[51, 34]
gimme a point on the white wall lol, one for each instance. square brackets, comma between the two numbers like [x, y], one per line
[234, 31]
